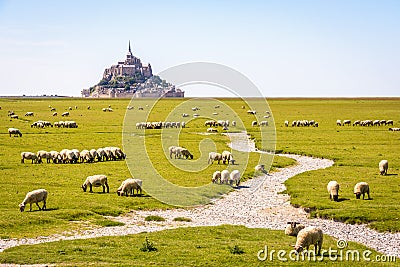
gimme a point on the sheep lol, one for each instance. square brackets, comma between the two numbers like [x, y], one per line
[214, 156]
[333, 190]
[29, 155]
[85, 155]
[55, 114]
[356, 123]
[309, 236]
[389, 122]
[14, 116]
[234, 178]
[212, 130]
[186, 153]
[339, 123]
[233, 123]
[216, 177]
[394, 129]
[15, 132]
[252, 112]
[316, 124]
[41, 154]
[65, 114]
[101, 154]
[383, 167]
[172, 150]
[226, 157]
[361, 188]
[55, 156]
[35, 196]
[128, 187]
[224, 177]
[210, 123]
[29, 113]
[264, 123]
[287, 123]
[96, 181]
[254, 123]
[93, 153]
[347, 122]
[293, 228]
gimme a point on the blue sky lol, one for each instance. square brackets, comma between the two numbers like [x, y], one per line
[287, 48]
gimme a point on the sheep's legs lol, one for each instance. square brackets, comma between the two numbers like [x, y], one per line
[37, 204]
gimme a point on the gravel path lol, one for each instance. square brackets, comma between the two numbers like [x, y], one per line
[255, 204]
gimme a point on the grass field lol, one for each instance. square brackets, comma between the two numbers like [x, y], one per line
[355, 150]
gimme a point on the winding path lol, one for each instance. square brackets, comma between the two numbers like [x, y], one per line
[257, 204]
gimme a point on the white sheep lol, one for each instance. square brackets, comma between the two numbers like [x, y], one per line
[35, 196]
[128, 187]
[41, 154]
[339, 123]
[212, 130]
[226, 157]
[234, 178]
[333, 190]
[214, 156]
[259, 168]
[216, 177]
[85, 155]
[347, 122]
[224, 177]
[383, 167]
[360, 189]
[101, 154]
[29, 113]
[233, 123]
[65, 114]
[287, 123]
[29, 155]
[96, 181]
[309, 236]
[55, 156]
[254, 123]
[293, 228]
[15, 132]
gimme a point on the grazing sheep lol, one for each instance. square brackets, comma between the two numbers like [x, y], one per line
[293, 228]
[361, 188]
[394, 129]
[214, 156]
[15, 132]
[234, 178]
[226, 157]
[29, 113]
[29, 155]
[252, 112]
[233, 123]
[65, 114]
[347, 122]
[356, 123]
[309, 236]
[14, 116]
[128, 187]
[186, 153]
[101, 154]
[383, 167]
[212, 130]
[333, 190]
[96, 181]
[339, 123]
[254, 123]
[389, 122]
[85, 155]
[55, 114]
[287, 123]
[55, 156]
[224, 177]
[35, 196]
[216, 177]
[41, 154]
[93, 153]
[210, 123]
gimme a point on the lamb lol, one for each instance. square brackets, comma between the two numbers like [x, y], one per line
[293, 228]
[226, 157]
[214, 156]
[234, 178]
[361, 188]
[383, 167]
[35, 196]
[216, 177]
[224, 177]
[309, 236]
[333, 190]
[15, 132]
[128, 187]
[29, 155]
[96, 181]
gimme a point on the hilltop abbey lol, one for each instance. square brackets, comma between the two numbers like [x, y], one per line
[131, 78]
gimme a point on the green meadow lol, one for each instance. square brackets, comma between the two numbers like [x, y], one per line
[355, 150]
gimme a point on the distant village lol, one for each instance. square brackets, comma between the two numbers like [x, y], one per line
[131, 78]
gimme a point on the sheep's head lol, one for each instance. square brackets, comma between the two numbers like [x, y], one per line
[21, 207]
[84, 187]
[298, 248]
[358, 195]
